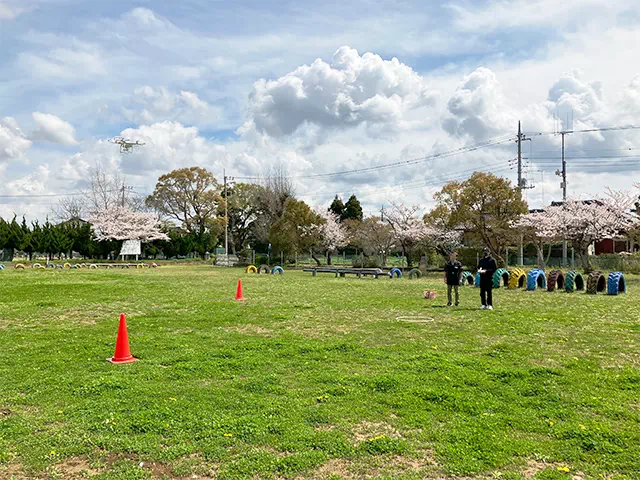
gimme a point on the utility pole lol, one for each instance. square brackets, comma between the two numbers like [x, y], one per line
[519, 156]
[226, 220]
[382, 213]
[123, 186]
[563, 174]
[521, 137]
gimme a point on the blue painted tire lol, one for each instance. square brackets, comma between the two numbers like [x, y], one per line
[477, 282]
[279, 270]
[1, 267]
[395, 272]
[616, 283]
[467, 278]
[59, 267]
[536, 278]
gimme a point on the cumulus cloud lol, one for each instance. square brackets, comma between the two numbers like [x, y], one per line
[53, 129]
[478, 108]
[150, 105]
[13, 143]
[349, 91]
[34, 183]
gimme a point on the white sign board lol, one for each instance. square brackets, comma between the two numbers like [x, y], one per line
[131, 247]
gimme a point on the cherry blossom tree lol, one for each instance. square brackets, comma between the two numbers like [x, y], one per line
[408, 230]
[541, 228]
[585, 222]
[372, 236]
[120, 223]
[331, 233]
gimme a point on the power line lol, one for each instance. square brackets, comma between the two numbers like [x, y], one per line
[465, 149]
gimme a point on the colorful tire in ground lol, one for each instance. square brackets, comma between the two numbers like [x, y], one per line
[414, 273]
[467, 278]
[277, 270]
[517, 279]
[596, 283]
[1, 267]
[36, 266]
[252, 269]
[264, 269]
[19, 267]
[477, 282]
[51, 265]
[556, 279]
[395, 272]
[59, 267]
[536, 279]
[140, 265]
[93, 266]
[41, 267]
[500, 278]
[67, 265]
[616, 284]
[573, 282]
[74, 267]
[154, 265]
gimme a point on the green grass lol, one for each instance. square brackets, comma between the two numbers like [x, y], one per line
[312, 378]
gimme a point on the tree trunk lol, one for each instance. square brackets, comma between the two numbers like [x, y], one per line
[313, 255]
[540, 254]
[585, 259]
[328, 258]
[548, 255]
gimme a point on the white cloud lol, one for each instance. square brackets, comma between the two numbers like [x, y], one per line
[80, 62]
[10, 9]
[13, 143]
[34, 183]
[150, 105]
[350, 91]
[53, 129]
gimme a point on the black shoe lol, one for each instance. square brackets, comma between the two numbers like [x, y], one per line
[448, 304]
[457, 304]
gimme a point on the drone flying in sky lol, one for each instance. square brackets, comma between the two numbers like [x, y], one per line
[126, 146]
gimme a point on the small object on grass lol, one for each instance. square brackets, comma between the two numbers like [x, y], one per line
[430, 295]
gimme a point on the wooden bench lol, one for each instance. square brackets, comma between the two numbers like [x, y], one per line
[343, 272]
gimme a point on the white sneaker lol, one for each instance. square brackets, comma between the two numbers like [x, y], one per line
[483, 307]
[489, 307]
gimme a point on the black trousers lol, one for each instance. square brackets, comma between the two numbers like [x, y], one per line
[486, 293]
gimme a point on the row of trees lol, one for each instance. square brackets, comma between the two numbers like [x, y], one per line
[188, 210]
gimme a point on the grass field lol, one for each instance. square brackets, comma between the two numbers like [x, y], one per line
[312, 378]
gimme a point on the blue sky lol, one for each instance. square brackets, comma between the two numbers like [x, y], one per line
[316, 86]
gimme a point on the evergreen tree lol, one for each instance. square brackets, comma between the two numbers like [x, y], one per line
[337, 207]
[352, 209]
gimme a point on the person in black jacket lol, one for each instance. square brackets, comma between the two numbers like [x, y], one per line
[452, 277]
[486, 267]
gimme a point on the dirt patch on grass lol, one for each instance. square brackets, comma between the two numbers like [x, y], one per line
[250, 329]
[365, 430]
[534, 467]
[374, 467]
[75, 467]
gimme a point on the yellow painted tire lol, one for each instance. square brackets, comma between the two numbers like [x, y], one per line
[252, 269]
[19, 266]
[41, 267]
[67, 265]
[517, 279]
[140, 265]
[93, 266]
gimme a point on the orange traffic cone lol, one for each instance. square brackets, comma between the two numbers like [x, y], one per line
[122, 353]
[239, 295]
